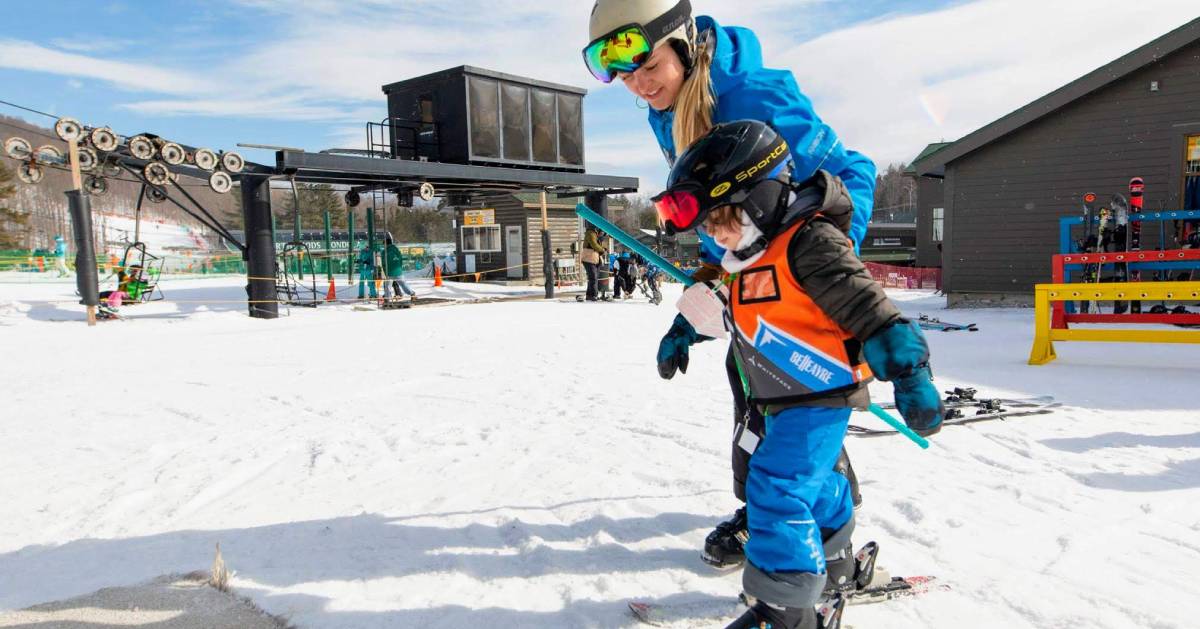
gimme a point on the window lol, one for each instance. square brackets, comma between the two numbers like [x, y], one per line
[483, 238]
[1191, 174]
[938, 222]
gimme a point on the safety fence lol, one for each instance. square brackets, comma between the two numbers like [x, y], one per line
[905, 276]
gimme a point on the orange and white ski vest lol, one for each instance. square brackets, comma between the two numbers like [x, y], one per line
[789, 348]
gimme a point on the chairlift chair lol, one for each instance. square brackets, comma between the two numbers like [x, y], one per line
[142, 288]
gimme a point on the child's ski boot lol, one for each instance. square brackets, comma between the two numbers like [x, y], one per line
[723, 548]
[828, 615]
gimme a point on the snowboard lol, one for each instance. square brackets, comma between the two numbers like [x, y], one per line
[1120, 239]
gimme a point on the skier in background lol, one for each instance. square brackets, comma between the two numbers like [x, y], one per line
[623, 275]
[60, 256]
[693, 73]
[393, 272]
[796, 289]
[652, 273]
[366, 272]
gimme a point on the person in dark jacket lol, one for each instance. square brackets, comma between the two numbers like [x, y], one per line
[810, 329]
[623, 277]
[591, 256]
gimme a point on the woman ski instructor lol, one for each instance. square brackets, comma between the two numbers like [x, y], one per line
[694, 73]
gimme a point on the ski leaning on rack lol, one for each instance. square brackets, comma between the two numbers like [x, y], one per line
[1136, 186]
[1088, 244]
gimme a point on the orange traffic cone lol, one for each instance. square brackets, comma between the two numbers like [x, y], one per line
[332, 294]
[437, 275]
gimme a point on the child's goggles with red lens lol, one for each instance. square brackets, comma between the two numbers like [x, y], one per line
[678, 210]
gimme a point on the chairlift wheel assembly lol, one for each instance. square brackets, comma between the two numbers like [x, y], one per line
[47, 153]
[141, 147]
[157, 173]
[18, 148]
[30, 173]
[205, 159]
[88, 160]
[104, 140]
[172, 153]
[352, 198]
[68, 129]
[220, 182]
[426, 191]
[111, 168]
[232, 162]
[96, 185]
[155, 195]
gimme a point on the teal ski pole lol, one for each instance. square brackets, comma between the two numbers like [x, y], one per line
[649, 255]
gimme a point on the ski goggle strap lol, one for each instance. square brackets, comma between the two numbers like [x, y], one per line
[678, 210]
[626, 48]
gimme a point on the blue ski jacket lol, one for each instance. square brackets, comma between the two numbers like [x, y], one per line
[745, 90]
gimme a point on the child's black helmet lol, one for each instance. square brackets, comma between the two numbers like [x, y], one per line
[744, 163]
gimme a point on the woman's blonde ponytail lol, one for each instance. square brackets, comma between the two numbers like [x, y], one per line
[696, 101]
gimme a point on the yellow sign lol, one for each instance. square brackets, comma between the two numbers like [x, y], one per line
[1193, 148]
[486, 216]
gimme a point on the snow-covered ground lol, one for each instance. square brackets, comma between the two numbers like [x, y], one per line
[520, 464]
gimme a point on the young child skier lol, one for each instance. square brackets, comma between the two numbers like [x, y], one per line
[810, 328]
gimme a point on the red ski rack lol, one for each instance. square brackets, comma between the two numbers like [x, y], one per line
[1060, 318]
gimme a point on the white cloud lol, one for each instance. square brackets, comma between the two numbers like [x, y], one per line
[628, 153]
[91, 44]
[891, 86]
[276, 108]
[23, 55]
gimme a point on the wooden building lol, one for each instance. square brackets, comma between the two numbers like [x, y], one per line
[500, 237]
[1000, 190]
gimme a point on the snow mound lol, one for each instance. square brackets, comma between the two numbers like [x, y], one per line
[168, 602]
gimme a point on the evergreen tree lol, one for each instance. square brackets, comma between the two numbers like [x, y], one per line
[419, 224]
[315, 200]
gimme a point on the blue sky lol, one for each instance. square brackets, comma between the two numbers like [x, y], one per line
[889, 76]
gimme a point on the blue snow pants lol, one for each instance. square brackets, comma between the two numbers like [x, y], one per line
[366, 279]
[792, 494]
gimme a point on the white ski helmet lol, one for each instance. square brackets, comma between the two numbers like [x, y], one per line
[659, 21]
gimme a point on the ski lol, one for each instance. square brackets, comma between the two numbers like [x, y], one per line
[1088, 244]
[958, 417]
[666, 614]
[930, 323]
[967, 396]
[898, 587]
[1136, 186]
